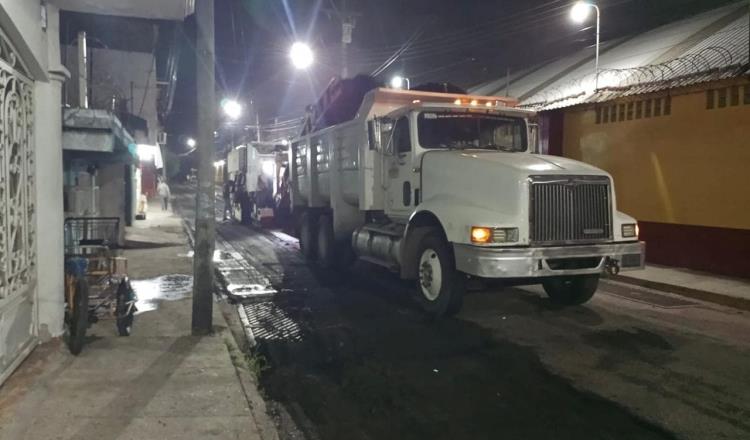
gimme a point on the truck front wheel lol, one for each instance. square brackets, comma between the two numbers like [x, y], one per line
[571, 290]
[441, 287]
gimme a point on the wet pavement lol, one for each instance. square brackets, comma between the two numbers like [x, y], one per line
[351, 356]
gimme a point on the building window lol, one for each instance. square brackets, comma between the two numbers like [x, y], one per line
[605, 114]
[657, 107]
[710, 102]
[647, 110]
[622, 112]
[734, 95]
[667, 106]
[639, 109]
[613, 113]
[747, 94]
[598, 115]
[630, 111]
[722, 100]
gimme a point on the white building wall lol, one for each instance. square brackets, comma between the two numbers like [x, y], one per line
[49, 186]
[155, 10]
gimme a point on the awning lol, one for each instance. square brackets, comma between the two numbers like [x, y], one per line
[95, 131]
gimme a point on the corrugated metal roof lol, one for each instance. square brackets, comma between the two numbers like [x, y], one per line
[709, 46]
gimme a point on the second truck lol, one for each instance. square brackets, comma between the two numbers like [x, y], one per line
[441, 187]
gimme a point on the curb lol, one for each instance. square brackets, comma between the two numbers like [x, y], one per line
[702, 295]
[265, 426]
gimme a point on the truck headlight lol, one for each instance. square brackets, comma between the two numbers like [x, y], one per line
[484, 235]
[630, 230]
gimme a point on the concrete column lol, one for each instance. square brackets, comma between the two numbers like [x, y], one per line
[49, 188]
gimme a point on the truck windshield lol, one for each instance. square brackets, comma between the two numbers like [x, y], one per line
[453, 130]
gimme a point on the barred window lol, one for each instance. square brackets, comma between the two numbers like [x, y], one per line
[622, 112]
[639, 109]
[657, 107]
[710, 102]
[667, 106]
[598, 115]
[630, 111]
[647, 110]
[722, 100]
[605, 115]
[747, 94]
[613, 113]
[734, 95]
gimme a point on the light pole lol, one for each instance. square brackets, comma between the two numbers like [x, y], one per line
[301, 55]
[397, 82]
[579, 13]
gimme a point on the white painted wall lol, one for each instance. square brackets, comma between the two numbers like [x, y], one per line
[22, 22]
[152, 9]
[49, 187]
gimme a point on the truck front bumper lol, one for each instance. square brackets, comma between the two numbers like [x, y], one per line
[532, 262]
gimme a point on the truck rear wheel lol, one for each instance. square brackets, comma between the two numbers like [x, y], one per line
[440, 286]
[308, 239]
[571, 290]
[332, 253]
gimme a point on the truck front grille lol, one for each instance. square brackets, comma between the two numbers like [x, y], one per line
[570, 209]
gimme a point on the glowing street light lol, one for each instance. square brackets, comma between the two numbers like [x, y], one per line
[398, 82]
[191, 143]
[232, 108]
[301, 55]
[579, 13]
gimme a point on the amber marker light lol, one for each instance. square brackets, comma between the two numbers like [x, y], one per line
[481, 235]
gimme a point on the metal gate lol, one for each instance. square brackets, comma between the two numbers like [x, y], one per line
[17, 211]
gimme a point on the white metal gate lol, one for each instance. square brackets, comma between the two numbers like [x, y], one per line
[17, 210]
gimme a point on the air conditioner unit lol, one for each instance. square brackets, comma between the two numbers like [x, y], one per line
[162, 138]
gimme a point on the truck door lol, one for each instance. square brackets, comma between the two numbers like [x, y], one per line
[401, 180]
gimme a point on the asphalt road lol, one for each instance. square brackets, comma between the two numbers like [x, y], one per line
[351, 357]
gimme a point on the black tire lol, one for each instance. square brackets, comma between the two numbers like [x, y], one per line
[246, 210]
[447, 298]
[308, 236]
[78, 322]
[325, 243]
[571, 290]
[123, 312]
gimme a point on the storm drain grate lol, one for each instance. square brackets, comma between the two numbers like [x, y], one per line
[642, 295]
[270, 322]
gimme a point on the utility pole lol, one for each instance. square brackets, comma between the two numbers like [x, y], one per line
[205, 198]
[348, 22]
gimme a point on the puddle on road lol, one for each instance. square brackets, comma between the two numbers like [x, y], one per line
[218, 255]
[164, 288]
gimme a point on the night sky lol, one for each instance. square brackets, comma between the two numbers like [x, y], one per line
[460, 41]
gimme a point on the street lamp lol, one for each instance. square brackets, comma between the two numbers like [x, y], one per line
[579, 13]
[398, 81]
[301, 55]
[191, 142]
[232, 108]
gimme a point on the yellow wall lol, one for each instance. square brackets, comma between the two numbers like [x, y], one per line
[691, 167]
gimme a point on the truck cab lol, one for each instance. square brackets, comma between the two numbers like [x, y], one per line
[445, 187]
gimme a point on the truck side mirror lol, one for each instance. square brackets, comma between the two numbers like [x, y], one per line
[373, 134]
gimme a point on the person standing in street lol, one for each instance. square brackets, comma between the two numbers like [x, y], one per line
[227, 193]
[163, 191]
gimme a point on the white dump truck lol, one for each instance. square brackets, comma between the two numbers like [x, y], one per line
[441, 187]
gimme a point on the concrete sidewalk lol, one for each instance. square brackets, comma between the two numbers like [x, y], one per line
[159, 383]
[732, 292]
